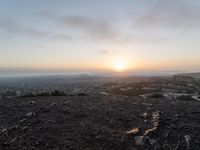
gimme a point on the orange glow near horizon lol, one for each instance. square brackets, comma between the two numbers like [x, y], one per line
[120, 64]
[119, 67]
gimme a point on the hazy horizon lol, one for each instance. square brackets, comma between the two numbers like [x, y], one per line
[99, 36]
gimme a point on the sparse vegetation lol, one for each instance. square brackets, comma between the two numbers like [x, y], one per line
[185, 97]
[45, 94]
[82, 94]
[57, 93]
[156, 95]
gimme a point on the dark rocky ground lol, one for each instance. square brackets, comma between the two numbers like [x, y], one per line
[108, 120]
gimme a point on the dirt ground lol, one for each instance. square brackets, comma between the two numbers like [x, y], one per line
[99, 121]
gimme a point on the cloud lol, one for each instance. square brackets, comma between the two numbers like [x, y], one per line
[170, 14]
[103, 51]
[14, 27]
[95, 28]
[79, 27]
[143, 38]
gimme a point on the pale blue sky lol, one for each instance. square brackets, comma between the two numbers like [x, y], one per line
[90, 34]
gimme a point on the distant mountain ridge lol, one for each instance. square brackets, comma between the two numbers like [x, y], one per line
[194, 74]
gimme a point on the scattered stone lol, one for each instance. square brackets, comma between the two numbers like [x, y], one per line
[53, 104]
[100, 119]
[154, 143]
[24, 128]
[98, 137]
[49, 122]
[13, 140]
[38, 142]
[133, 131]
[31, 114]
[187, 140]
[167, 134]
[103, 93]
[139, 140]
[5, 143]
[18, 93]
[22, 120]
[148, 104]
[65, 103]
[3, 130]
[177, 115]
[14, 127]
[31, 102]
[66, 110]
[155, 118]
[149, 131]
[145, 115]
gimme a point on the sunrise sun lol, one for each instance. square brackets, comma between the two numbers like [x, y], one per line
[119, 67]
[120, 63]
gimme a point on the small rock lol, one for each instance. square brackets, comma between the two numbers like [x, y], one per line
[139, 140]
[65, 103]
[154, 143]
[14, 127]
[187, 140]
[30, 114]
[13, 140]
[133, 131]
[53, 104]
[22, 120]
[103, 93]
[148, 104]
[98, 137]
[31, 102]
[144, 115]
[3, 130]
[177, 115]
[49, 122]
[5, 143]
[25, 128]
[66, 110]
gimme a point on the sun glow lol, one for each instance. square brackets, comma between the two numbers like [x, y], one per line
[119, 67]
[120, 63]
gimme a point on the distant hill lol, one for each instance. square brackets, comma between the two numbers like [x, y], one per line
[194, 75]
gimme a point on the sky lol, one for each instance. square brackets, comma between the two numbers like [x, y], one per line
[100, 35]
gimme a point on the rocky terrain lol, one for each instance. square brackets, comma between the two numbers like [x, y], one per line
[101, 114]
